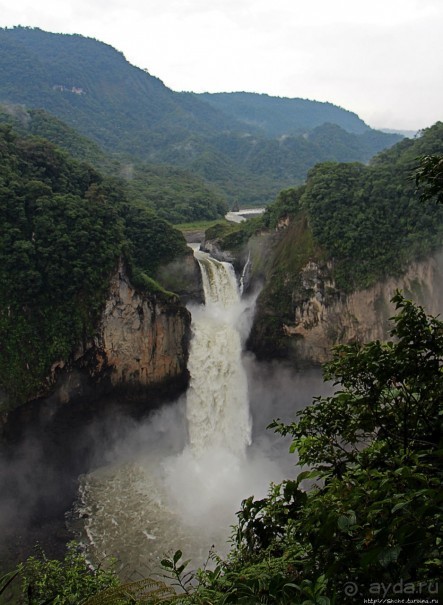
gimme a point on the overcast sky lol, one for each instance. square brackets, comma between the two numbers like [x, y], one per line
[382, 59]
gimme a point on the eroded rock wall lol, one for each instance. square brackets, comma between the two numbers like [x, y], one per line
[323, 316]
[138, 354]
[141, 339]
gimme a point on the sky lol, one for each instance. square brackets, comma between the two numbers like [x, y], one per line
[382, 59]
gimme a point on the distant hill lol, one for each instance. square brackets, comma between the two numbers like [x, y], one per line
[410, 134]
[247, 146]
[277, 116]
[89, 84]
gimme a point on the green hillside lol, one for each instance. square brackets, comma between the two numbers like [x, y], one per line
[367, 220]
[90, 86]
[278, 116]
[355, 210]
[64, 227]
[175, 194]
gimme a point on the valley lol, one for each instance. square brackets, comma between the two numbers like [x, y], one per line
[174, 385]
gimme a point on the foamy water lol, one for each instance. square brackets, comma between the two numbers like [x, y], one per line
[152, 504]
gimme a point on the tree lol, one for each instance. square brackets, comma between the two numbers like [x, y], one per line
[429, 178]
[62, 582]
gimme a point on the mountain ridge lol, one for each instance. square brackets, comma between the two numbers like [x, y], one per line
[287, 116]
[94, 89]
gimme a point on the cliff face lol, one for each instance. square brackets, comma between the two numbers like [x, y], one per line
[321, 316]
[140, 347]
[135, 362]
[141, 339]
[361, 316]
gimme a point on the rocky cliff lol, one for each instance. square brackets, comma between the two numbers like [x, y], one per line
[322, 320]
[139, 351]
[317, 315]
[141, 343]
[135, 362]
[142, 339]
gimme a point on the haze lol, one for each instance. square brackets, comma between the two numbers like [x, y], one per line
[381, 59]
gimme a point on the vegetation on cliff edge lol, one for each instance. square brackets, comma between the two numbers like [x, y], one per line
[354, 210]
[64, 227]
[366, 223]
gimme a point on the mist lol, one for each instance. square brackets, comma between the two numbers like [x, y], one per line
[177, 479]
[139, 489]
[151, 455]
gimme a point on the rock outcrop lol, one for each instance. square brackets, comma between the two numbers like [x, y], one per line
[322, 316]
[142, 339]
[141, 344]
[363, 315]
[139, 353]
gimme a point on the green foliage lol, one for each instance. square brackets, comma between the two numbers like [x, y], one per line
[234, 236]
[151, 241]
[248, 146]
[193, 226]
[174, 194]
[391, 394]
[6, 580]
[429, 178]
[353, 210]
[64, 228]
[174, 569]
[60, 241]
[71, 581]
[142, 592]
[279, 116]
[287, 204]
[39, 123]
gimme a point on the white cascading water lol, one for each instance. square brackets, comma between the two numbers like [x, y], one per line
[217, 406]
[141, 507]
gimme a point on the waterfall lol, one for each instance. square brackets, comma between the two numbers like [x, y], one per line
[217, 399]
[183, 488]
[244, 272]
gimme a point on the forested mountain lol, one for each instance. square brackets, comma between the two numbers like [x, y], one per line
[175, 194]
[92, 87]
[64, 228]
[278, 116]
[354, 210]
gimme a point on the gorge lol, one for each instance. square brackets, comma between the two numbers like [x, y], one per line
[152, 372]
[181, 489]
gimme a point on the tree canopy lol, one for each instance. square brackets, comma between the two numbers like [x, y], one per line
[250, 157]
[64, 227]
